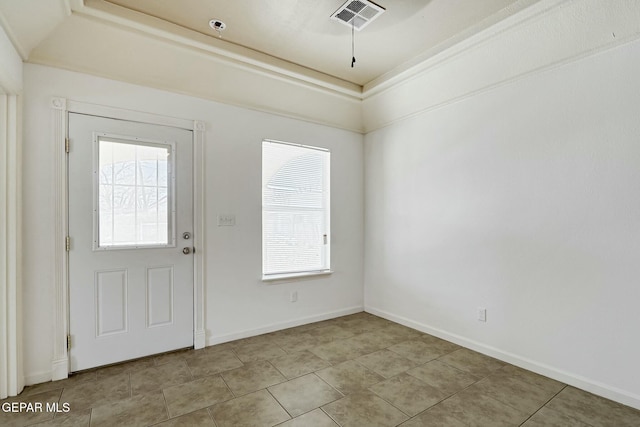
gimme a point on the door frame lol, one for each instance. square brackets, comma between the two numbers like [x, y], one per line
[61, 107]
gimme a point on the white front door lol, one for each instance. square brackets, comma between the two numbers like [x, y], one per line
[130, 227]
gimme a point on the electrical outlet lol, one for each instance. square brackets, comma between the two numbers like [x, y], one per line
[293, 296]
[482, 314]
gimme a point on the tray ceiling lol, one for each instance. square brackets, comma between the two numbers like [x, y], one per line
[301, 31]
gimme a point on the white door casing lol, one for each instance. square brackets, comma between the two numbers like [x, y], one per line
[60, 108]
[130, 284]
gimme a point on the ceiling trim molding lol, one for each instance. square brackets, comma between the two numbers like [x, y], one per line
[576, 17]
[426, 61]
[246, 58]
[74, 5]
[427, 109]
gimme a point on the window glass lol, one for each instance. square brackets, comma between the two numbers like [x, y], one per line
[133, 192]
[295, 208]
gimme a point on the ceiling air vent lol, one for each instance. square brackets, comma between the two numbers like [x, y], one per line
[357, 13]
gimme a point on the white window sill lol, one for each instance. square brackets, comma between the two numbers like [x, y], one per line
[293, 276]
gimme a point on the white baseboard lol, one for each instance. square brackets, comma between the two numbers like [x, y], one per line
[37, 378]
[592, 386]
[199, 339]
[219, 339]
[60, 369]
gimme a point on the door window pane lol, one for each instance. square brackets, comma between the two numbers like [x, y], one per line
[133, 192]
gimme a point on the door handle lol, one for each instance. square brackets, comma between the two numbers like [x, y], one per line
[186, 251]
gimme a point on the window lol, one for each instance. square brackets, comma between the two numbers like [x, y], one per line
[133, 194]
[295, 210]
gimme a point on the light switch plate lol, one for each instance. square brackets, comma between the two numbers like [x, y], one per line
[226, 220]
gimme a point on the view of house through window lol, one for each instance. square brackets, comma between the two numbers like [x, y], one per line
[133, 194]
[295, 209]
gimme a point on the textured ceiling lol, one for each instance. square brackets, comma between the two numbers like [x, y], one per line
[301, 32]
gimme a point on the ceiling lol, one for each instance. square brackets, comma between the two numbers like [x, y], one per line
[301, 32]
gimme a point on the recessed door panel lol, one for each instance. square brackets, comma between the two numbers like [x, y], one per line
[159, 296]
[111, 302]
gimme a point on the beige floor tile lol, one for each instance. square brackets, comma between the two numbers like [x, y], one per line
[417, 351]
[144, 409]
[200, 418]
[264, 339]
[255, 409]
[124, 368]
[30, 415]
[434, 417]
[510, 371]
[314, 325]
[472, 362]
[514, 392]
[73, 419]
[293, 343]
[298, 364]
[338, 351]
[197, 394]
[349, 377]
[254, 351]
[253, 376]
[438, 344]
[364, 409]
[445, 378]
[359, 325]
[371, 322]
[489, 392]
[330, 333]
[479, 410]
[594, 410]
[94, 393]
[174, 356]
[205, 363]
[315, 418]
[231, 345]
[321, 324]
[546, 417]
[74, 379]
[159, 377]
[393, 338]
[386, 363]
[401, 332]
[373, 341]
[408, 394]
[304, 394]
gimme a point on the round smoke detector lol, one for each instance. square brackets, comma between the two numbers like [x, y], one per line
[217, 25]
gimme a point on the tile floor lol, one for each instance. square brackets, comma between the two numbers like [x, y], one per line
[357, 370]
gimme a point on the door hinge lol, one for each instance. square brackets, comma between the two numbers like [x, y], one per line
[67, 243]
[66, 145]
[68, 342]
[324, 239]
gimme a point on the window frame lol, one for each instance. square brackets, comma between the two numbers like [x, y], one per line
[171, 190]
[326, 212]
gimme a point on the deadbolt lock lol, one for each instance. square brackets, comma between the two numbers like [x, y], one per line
[186, 235]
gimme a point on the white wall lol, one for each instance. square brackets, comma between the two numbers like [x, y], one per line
[10, 65]
[11, 372]
[547, 33]
[524, 199]
[238, 303]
